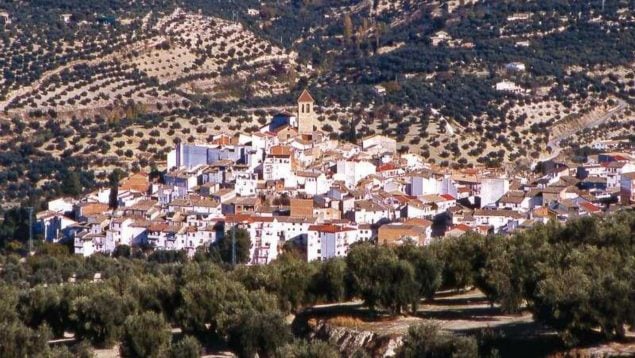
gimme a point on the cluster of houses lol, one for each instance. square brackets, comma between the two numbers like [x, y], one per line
[288, 184]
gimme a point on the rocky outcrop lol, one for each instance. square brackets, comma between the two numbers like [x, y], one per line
[351, 340]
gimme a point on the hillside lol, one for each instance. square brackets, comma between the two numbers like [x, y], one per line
[93, 86]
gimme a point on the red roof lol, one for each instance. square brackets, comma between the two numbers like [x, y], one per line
[589, 207]
[386, 167]
[305, 96]
[330, 228]
[447, 196]
[418, 222]
[461, 227]
[280, 151]
[247, 218]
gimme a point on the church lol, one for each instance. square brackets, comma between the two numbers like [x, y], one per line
[303, 123]
[306, 116]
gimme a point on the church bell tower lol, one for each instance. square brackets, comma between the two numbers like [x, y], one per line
[306, 116]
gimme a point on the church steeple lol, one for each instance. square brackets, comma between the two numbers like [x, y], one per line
[305, 113]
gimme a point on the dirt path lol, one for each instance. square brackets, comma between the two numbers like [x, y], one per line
[554, 143]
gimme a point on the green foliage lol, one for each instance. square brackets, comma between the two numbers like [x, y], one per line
[329, 283]
[578, 278]
[259, 333]
[145, 335]
[18, 340]
[113, 180]
[289, 278]
[186, 347]
[14, 226]
[168, 256]
[426, 340]
[45, 304]
[295, 277]
[304, 349]
[212, 306]
[595, 289]
[122, 251]
[243, 243]
[156, 293]
[99, 316]
[575, 278]
[427, 268]
[71, 184]
[51, 249]
[378, 276]
[462, 258]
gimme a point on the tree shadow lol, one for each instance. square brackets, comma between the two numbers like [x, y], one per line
[458, 301]
[478, 314]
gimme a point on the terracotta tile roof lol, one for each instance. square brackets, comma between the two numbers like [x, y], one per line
[93, 208]
[280, 151]
[162, 226]
[512, 199]
[541, 212]
[143, 205]
[590, 207]
[418, 222]
[461, 227]
[223, 139]
[246, 218]
[498, 212]
[305, 96]
[329, 228]
[386, 167]
[137, 182]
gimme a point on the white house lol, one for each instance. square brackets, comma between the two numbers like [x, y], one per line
[87, 244]
[278, 164]
[492, 189]
[509, 86]
[418, 209]
[379, 144]
[627, 188]
[370, 212]
[442, 203]
[163, 236]
[498, 219]
[246, 184]
[352, 171]
[426, 182]
[51, 224]
[517, 202]
[328, 240]
[123, 231]
[182, 180]
[516, 67]
[263, 141]
[61, 205]
[313, 182]
[196, 204]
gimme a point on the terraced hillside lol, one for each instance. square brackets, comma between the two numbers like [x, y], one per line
[104, 84]
[181, 54]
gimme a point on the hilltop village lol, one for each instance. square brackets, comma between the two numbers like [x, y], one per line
[289, 185]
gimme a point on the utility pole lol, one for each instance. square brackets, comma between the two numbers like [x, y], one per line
[234, 245]
[30, 210]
